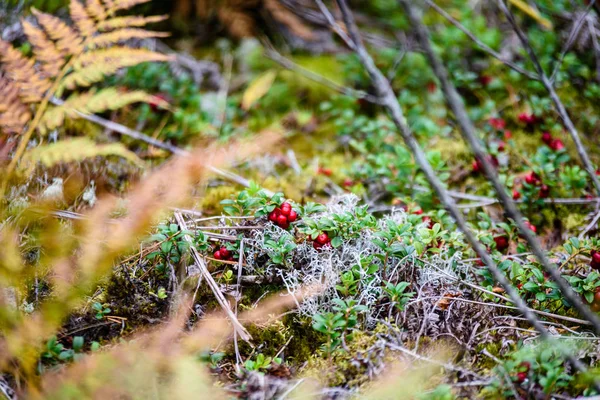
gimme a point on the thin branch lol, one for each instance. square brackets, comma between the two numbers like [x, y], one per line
[334, 25]
[560, 108]
[238, 327]
[572, 36]
[123, 130]
[479, 43]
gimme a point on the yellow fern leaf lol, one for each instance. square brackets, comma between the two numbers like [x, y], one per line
[13, 113]
[129, 22]
[68, 41]
[93, 66]
[90, 103]
[119, 35]
[76, 150]
[117, 5]
[96, 10]
[44, 50]
[21, 70]
[85, 24]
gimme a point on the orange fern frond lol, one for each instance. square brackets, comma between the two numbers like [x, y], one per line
[68, 41]
[119, 35]
[13, 113]
[117, 5]
[44, 50]
[21, 70]
[96, 10]
[93, 66]
[84, 23]
[129, 22]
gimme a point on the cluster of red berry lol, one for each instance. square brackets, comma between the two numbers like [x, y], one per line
[534, 179]
[283, 215]
[554, 144]
[524, 368]
[425, 218]
[477, 165]
[527, 119]
[323, 240]
[223, 254]
[531, 226]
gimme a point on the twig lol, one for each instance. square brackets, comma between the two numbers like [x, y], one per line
[590, 225]
[238, 357]
[334, 25]
[468, 131]
[237, 326]
[479, 43]
[572, 36]
[560, 108]
[123, 130]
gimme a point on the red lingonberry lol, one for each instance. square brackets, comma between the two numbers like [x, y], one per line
[347, 182]
[217, 254]
[531, 227]
[516, 195]
[497, 123]
[224, 253]
[544, 191]
[317, 245]
[501, 146]
[557, 145]
[292, 216]
[431, 87]
[595, 262]
[501, 243]
[325, 171]
[323, 238]
[282, 220]
[507, 134]
[428, 220]
[274, 215]
[527, 119]
[476, 166]
[418, 211]
[285, 208]
[532, 178]
[520, 286]
[485, 80]
[547, 138]
[521, 377]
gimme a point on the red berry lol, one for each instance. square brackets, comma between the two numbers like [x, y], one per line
[317, 245]
[217, 254]
[516, 195]
[418, 211]
[347, 182]
[532, 178]
[225, 253]
[282, 220]
[431, 87]
[428, 220]
[497, 123]
[485, 80]
[597, 296]
[476, 165]
[520, 286]
[547, 138]
[507, 134]
[531, 226]
[293, 215]
[285, 208]
[325, 171]
[527, 119]
[274, 215]
[544, 191]
[521, 377]
[501, 146]
[557, 145]
[501, 243]
[323, 238]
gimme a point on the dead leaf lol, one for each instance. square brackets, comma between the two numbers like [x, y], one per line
[257, 89]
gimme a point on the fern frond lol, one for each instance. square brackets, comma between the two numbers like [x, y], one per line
[44, 50]
[76, 150]
[90, 103]
[68, 42]
[116, 5]
[93, 66]
[13, 113]
[21, 70]
[85, 24]
[129, 22]
[119, 35]
[96, 10]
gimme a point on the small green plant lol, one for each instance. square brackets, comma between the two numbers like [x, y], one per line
[338, 326]
[397, 295]
[56, 352]
[261, 363]
[100, 310]
[172, 246]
